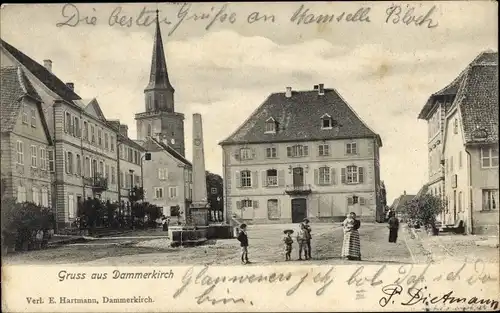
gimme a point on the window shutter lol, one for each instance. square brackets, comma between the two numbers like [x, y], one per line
[333, 179]
[289, 151]
[255, 176]
[281, 178]
[237, 154]
[65, 119]
[159, 173]
[342, 175]
[306, 150]
[360, 175]
[253, 153]
[255, 204]
[238, 205]
[316, 176]
[349, 200]
[362, 201]
[264, 178]
[238, 179]
[66, 165]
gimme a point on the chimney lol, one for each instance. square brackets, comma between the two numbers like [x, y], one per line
[124, 130]
[115, 124]
[321, 89]
[404, 192]
[48, 65]
[71, 86]
[288, 92]
[315, 87]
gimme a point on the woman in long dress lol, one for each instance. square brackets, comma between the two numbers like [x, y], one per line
[393, 227]
[351, 248]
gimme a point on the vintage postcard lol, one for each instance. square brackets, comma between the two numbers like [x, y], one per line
[248, 157]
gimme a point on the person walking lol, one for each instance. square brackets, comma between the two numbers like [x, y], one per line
[308, 229]
[351, 248]
[243, 239]
[393, 227]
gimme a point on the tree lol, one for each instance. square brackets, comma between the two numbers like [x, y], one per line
[424, 209]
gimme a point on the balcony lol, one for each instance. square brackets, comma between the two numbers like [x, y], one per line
[98, 183]
[298, 189]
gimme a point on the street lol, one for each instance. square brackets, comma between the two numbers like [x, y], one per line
[149, 248]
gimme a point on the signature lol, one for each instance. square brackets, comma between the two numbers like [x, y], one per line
[415, 296]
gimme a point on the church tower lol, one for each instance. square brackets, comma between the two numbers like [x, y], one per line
[159, 120]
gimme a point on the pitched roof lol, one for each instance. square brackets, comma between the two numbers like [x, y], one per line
[93, 108]
[44, 75]
[299, 118]
[15, 85]
[401, 201]
[478, 103]
[164, 147]
[484, 58]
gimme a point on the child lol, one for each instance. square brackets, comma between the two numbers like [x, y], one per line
[288, 244]
[302, 241]
[243, 239]
[349, 222]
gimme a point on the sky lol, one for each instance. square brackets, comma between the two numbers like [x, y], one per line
[224, 67]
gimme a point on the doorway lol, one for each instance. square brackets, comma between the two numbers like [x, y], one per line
[299, 210]
[298, 176]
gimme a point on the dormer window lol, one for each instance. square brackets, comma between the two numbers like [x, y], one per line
[270, 125]
[326, 121]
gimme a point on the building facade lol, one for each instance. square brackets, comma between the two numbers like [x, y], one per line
[302, 154]
[169, 181]
[469, 153]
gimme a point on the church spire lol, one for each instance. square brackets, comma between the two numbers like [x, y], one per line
[158, 78]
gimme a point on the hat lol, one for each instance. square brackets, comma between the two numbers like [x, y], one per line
[306, 220]
[288, 231]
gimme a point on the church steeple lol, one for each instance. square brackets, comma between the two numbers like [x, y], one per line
[159, 91]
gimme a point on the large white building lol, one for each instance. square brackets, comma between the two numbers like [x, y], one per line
[302, 154]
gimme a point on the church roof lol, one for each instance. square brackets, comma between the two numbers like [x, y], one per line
[299, 118]
[158, 78]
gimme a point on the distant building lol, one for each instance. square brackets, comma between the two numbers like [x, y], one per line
[398, 206]
[302, 154]
[469, 152]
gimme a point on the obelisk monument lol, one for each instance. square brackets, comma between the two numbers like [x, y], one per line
[199, 206]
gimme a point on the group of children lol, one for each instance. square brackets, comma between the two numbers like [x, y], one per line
[303, 239]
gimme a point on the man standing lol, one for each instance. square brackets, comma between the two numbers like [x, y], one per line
[308, 230]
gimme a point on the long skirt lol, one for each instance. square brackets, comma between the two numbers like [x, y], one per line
[393, 234]
[351, 247]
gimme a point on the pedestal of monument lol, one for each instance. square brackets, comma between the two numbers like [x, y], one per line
[198, 214]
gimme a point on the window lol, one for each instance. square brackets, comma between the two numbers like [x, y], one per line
[490, 200]
[99, 137]
[352, 175]
[122, 180]
[326, 121]
[460, 195]
[130, 155]
[172, 192]
[106, 138]
[136, 157]
[76, 127]
[273, 211]
[43, 158]
[323, 150]
[150, 130]
[45, 197]
[101, 167]
[355, 199]
[112, 143]
[20, 152]
[460, 159]
[455, 126]
[246, 179]
[351, 148]
[297, 151]
[51, 160]
[324, 175]
[272, 177]
[489, 157]
[113, 175]
[36, 195]
[69, 162]
[67, 123]
[270, 125]
[137, 180]
[92, 134]
[71, 206]
[158, 192]
[271, 152]
[25, 115]
[33, 156]
[246, 154]
[163, 173]
[33, 117]
[87, 167]
[78, 165]
[85, 131]
[106, 171]
[120, 151]
[21, 194]
[246, 204]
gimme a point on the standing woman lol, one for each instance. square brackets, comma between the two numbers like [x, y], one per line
[393, 227]
[351, 249]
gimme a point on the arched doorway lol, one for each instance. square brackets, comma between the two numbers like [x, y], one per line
[299, 210]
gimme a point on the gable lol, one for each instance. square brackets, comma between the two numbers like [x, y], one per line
[94, 109]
